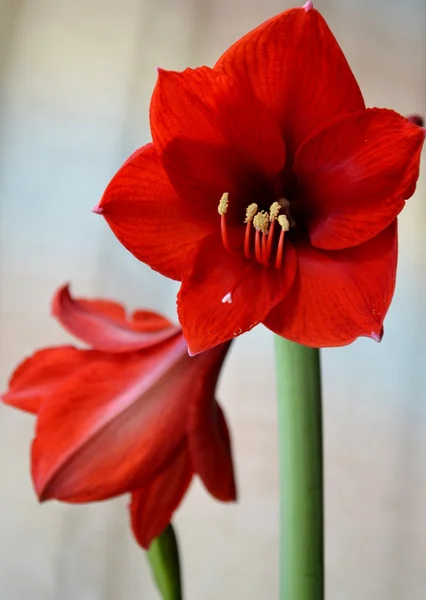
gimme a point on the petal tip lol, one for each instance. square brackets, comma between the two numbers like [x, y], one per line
[308, 6]
[377, 336]
[233, 492]
[98, 210]
[416, 120]
[5, 399]
[62, 294]
[41, 490]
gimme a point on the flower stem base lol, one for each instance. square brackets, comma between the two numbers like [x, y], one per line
[163, 556]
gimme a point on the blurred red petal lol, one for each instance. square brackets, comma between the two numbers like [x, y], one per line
[152, 507]
[110, 428]
[210, 446]
[43, 373]
[102, 331]
[108, 308]
[118, 422]
[147, 320]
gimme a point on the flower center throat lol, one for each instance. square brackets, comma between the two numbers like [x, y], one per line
[264, 232]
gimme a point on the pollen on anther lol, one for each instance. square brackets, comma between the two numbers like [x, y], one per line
[284, 222]
[227, 298]
[251, 210]
[261, 222]
[223, 204]
[274, 211]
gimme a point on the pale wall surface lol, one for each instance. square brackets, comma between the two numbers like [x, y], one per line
[76, 79]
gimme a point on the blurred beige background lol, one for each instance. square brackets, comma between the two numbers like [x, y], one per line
[76, 78]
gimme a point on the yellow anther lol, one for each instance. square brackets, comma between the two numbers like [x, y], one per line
[251, 210]
[274, 211]
[261, 222]
[284, 222]
[223, 204]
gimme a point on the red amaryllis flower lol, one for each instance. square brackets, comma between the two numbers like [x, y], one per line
[307, 183]
[135, 413]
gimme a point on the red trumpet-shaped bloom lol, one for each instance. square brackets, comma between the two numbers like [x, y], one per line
[134, 413]
[270, 190]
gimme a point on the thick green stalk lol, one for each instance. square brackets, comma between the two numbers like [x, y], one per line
[163, 555]
[301, 473]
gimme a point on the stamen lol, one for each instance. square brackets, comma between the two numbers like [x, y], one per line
[261, 224]
[223, 204]
[273, 214]
[285, 226]
[257, 247]
[250, 212]
[284, 222]
[221, 209]
[274, 211]
[265, 240]
[270, 240]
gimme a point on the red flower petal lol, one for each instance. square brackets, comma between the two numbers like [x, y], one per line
[296, 68]
[207, 320]
[356, 174]
[111, 427]
[143, 211]
[140, 319]
[102, 331]
[152, 507]
[147, 320]
[211, 133]
[118, 422]
[210, 446]
[108, 308]
[42, 374]
[341, 295]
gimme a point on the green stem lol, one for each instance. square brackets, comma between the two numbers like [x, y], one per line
[301, 473]
[163, 556]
